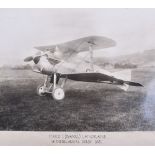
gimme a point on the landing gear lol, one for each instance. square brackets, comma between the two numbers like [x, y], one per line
[58, 93]
[41, 90]
[52, 88]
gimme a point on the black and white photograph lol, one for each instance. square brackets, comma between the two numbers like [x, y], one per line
[89, 70]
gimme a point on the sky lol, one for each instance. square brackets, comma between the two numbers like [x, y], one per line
[22, 29]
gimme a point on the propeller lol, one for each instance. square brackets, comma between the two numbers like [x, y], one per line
[27, 59]
[39, 54]
[35, 58]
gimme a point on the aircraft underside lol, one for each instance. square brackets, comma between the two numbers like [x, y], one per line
[54, 84]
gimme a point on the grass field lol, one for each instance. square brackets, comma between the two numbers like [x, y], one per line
[86, 107]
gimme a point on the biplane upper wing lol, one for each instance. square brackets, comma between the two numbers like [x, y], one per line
[98, 77]
[79, 45]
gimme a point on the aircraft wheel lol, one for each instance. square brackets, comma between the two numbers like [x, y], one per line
[58, 93]
[41, 91]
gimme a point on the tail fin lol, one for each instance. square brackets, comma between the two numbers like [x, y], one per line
[124, 75]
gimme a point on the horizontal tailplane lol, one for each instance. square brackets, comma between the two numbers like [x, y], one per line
[133, 84]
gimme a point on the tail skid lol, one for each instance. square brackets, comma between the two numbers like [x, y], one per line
[124, 87]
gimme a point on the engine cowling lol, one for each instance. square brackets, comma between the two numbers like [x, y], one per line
[44, 66]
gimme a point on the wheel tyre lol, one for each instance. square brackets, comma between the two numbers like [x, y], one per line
[58, 94]
[41, 90]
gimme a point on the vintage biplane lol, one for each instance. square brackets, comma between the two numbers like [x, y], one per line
[61, 62]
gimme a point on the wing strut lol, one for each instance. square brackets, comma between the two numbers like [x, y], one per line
[91, 56]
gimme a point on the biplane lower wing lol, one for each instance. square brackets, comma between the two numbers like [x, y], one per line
[99, 78]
